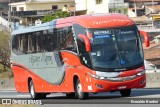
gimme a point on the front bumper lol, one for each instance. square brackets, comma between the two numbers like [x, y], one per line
[130, 82]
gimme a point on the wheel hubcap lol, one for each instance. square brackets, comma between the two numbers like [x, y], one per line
[32, 91]
[79, 89]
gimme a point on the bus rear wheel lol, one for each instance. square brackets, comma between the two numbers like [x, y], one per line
[33, 94]
[125, 93]
[79, 92]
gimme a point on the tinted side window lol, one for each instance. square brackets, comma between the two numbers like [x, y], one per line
[27, 43]
[46, 40]
[66, 39]
[15, 44]
[30, 43]
[84, 56]
[19, 44]
[37, 39]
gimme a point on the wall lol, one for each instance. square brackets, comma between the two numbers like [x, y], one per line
[18, 7]
[153, 81]
[29, 6]
[81, 5]
[97, 8]
[4, 22]
[131, 13]
[106, 5]
[7, 83]
[54, 0]
[113, 1]
[4, 6]
[44, 6]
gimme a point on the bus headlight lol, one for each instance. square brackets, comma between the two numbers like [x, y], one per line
[94, 76]
[141, 73]
[107, 74]
[104, 75]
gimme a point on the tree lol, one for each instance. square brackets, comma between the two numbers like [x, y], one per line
[56, 15]
[5, 39]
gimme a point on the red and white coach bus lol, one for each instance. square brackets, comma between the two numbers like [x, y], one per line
[79, 55]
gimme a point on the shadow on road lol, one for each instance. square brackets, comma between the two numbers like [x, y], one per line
[145, 92]
[136, 93]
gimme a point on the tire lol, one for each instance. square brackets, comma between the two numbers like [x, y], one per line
[33, 94]
[125, 93]
[79, 92]
[70, 95]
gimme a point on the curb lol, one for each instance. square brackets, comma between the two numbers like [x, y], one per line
[7, 89]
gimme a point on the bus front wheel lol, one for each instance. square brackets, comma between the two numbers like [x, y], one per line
[79, 92]
[125, 93]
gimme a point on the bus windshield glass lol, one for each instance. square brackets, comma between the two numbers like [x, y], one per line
[115, 48]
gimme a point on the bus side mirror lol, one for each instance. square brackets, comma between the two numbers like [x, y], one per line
[86, 42]
[146, 37]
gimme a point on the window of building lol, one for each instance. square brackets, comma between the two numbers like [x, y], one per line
[54, 7]
[99, 1]
[21, 8]
[14, 9]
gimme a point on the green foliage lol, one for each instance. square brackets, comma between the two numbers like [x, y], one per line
[56, 15]
[47, 18]
[5, 39]
[5, 74]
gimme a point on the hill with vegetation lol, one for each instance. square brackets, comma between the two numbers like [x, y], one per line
[5, 38]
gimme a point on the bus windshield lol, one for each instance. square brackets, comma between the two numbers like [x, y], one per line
[116, 48]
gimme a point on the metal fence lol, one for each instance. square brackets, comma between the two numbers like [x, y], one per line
[32, 13]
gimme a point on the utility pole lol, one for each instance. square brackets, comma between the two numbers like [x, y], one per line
[9, 14]
[74, 8]
[153, 6]
[135, 8]
[9, 11]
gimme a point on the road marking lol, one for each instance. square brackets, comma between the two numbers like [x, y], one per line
[23, 95]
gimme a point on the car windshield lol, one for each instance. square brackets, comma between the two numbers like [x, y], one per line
[115, 48]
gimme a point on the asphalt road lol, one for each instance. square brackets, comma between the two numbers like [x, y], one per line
[138, 96]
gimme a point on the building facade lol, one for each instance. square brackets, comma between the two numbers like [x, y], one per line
[29, 11]
[3, 7]
[102, 6]
[142, 7]
[30, 5]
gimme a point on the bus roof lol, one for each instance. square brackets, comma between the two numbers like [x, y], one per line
[39, 27]
[87, 21]
[97, 20]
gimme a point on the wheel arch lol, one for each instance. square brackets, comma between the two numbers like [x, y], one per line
[75, 78]
[29, 80]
